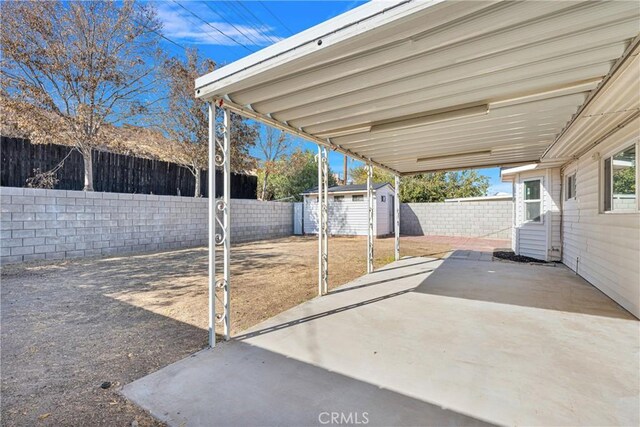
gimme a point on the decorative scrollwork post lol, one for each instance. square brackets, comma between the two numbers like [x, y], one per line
[370, 232]
[396, 207]
[219, 221]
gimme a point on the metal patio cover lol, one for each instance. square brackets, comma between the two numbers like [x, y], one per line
[416, 86]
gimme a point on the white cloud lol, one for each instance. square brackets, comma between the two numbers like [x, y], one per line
[180, 25]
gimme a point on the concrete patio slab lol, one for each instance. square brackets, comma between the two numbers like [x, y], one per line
[421, 342]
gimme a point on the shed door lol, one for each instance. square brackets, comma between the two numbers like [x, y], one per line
[392, 212]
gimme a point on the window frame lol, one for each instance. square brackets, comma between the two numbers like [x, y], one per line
[539, 201]
[383, 199]
[570, 190]
[603, 180]
[338, 198]
[360, 198]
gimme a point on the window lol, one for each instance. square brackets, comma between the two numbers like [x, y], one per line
[571, 187]
[620, 180]
[339, 199]
[383, 199]
[532, 201]
[357, 198]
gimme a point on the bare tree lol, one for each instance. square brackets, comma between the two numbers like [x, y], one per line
[186, 119]
[272, 144]
[70, 68]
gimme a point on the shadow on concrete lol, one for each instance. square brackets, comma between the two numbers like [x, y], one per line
[421, 261]
[325, 313]
[245, 385]
[537, 286]
[366, 285]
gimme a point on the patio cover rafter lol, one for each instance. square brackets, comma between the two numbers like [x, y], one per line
[385, 82]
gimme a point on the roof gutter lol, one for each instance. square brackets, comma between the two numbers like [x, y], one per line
[315, 39]
[635, 44]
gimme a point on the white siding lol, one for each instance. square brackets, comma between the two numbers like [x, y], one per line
[345, 218]
[553, 200]
[531, 238]
[539, 240]
[348, 217]
[604, 248]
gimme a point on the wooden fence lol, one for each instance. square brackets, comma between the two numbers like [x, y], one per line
[115, 173]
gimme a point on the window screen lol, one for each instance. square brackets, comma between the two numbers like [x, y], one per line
[532, 201]
[571, 186]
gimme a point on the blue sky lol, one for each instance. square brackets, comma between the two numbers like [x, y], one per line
[229, 30]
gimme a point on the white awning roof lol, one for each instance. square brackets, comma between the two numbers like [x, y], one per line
[431, 85]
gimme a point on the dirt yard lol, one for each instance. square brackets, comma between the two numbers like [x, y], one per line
[71, 326]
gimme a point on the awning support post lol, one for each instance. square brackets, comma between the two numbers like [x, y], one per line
[219, 229]
[226, 221]
[370, 229]
[212, 225]
[396, 228]
[323, 241]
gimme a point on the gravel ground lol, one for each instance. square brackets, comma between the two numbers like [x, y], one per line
[68, 327]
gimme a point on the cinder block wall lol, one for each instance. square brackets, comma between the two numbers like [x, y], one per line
[59, 224]
[489, 219]
[258, 220]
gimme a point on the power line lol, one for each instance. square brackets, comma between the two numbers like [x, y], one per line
[208, 24]
[231, 23]
[234, 10]
[161, 35]
[275, 16]
[257, 20]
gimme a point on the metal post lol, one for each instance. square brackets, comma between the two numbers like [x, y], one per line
[325, 221]
[371, 217]
[220, 152]
[226, 221]
[323, 241]
[320, 214]
[212, 226]
[396, 229]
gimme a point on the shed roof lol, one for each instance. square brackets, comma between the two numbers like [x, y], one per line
[348, 188]
[416, 86]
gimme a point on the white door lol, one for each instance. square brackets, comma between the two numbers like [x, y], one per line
[531, 230]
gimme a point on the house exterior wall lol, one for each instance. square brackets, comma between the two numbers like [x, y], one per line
[490, 219]
[604, 248]
[59, 224]
[538, 240]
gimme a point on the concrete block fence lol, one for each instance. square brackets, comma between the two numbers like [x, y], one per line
[491, 219]
[41, 224]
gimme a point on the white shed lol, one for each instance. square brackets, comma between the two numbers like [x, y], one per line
[348, 205]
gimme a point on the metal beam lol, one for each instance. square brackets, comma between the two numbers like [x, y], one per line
[370, 229]
[251, 114]
[396, 208]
